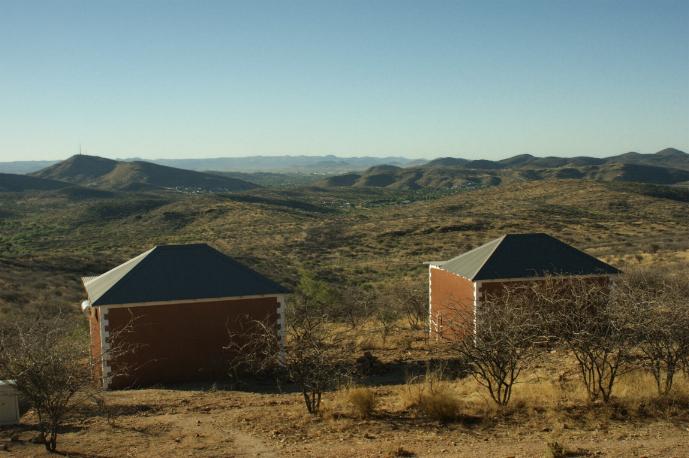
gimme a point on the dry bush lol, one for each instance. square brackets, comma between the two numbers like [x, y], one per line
[386, 319]
[657, 303]
[637, 395]
[579, 314]
[410, 298]
[358, 305]
[432, 397]
[365, 342]
[362, 400]
[312, 353]
[50, 365]
[497, 341]
[640, 319]
[405, 342]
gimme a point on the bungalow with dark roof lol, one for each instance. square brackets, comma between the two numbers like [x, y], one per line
[179, 305]
[460, 284]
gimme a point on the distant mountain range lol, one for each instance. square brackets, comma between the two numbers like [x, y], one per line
[669, 157]
[250, 164]
[669, 166]
[108, 174]
[24, 166]
[291, 164]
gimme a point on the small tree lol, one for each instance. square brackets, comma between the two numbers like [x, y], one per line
[410, 298]
[582, 315]
[47, 360]
[498, 342]
[658, 306]
[386, 319]
[314, 356]
[358, 304]
[314, 353]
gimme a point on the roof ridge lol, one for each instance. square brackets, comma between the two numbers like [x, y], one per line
[499, 240]
[472, 250]
[133, 262]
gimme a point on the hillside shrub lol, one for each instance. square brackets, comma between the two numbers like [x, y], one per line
[362, 400]
[432, 397]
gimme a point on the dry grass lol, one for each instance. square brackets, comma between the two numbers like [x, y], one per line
[432, 397]
[362, 400]
[215, 422]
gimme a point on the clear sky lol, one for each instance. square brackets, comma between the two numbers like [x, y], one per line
[172, 79]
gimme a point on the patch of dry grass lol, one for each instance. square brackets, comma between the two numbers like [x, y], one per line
[432, 397]
[362, 400]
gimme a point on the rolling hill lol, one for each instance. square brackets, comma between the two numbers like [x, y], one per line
[667, 167]
[10, 182]
[98, 172]
[669, 157]
[414, 178]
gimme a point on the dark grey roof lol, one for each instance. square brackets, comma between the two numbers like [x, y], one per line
[524, 256]
[177, 272]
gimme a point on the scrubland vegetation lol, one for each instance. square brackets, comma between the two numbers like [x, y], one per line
[536, 372]
[360, 375]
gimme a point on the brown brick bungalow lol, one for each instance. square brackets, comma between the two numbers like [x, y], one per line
[179, 304]
[463, 282]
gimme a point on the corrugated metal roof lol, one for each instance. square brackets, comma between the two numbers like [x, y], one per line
[468, 264]
[524, 256]
[177, 272]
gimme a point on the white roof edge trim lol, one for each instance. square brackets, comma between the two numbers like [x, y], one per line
[454, 273]
[193, 301]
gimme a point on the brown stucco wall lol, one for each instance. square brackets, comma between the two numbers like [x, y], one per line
[182, 341]
[452, 299]
[496, 287]
[450, 296]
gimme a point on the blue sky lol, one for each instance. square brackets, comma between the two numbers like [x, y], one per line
[486, 79]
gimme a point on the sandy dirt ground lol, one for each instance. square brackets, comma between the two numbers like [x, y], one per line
[217, 423]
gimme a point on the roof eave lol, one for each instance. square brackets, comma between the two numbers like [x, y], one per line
[98, 303]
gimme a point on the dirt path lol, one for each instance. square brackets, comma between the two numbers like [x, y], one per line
[247, 445]
[212, 435]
